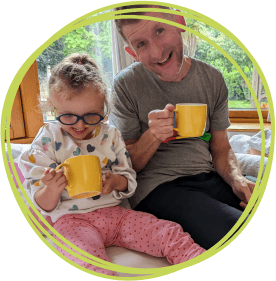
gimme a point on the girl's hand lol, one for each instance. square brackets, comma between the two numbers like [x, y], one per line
[114, 182]
[54, 180]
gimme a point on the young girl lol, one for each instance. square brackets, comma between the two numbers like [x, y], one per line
[77, 94]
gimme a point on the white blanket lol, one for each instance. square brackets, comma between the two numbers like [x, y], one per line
[239, 143]
[249, 163]
[256, 141]
[242, 143]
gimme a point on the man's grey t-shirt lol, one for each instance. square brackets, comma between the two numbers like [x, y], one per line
[138, 91]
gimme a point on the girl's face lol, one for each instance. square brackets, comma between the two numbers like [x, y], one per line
[86, 102]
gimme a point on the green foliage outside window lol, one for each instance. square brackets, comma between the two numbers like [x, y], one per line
[239, 95]
[95, 40]
[92, 39]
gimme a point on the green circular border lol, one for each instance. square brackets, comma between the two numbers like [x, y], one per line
[28, 62]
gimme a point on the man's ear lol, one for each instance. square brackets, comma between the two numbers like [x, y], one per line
[180, 19]
[131, 52]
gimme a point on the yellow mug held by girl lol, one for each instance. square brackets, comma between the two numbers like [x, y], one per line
[84, 176]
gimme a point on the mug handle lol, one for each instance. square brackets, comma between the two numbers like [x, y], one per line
[62, 165]
[174, 125]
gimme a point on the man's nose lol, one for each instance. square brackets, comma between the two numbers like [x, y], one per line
[156, 51]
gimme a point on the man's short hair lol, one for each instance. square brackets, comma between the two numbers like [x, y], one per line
[122, 22]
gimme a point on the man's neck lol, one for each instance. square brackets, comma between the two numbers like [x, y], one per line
[185, 68]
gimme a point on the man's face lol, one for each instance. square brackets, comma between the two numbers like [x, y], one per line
[158, 46]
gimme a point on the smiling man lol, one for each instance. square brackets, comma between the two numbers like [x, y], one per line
[190, 181]
[157, 46]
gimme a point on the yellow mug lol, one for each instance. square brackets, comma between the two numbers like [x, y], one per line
[84, 176]
[190, 119]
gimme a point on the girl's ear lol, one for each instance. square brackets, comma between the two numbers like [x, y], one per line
[132, 53]
[105, 119]
[105, 112]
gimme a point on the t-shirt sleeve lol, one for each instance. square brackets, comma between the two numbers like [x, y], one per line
[124, 115]
[220, 117]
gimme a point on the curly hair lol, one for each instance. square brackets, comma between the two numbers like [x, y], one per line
[71, 76]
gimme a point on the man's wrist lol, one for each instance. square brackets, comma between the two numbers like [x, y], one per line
[153, 138]
[236, 179]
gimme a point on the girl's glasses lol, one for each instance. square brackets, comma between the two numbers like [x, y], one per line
[71, 119]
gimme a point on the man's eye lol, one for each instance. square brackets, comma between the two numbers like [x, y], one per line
[141, 44]
[160, 30]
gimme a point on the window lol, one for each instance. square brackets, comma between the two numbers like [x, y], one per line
[26, 118]
[242, 109]
[94, 39]
[240, 97]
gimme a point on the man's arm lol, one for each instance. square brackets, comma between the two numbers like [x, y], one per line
[226, 164]
[160, 128]
[142, 149]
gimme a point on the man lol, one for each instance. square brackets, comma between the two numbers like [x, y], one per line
[190, 181]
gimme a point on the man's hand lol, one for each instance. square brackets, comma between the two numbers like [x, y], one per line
[226, 164]
[54, 180]
[114, 182]
[243, 188]
[161, 122]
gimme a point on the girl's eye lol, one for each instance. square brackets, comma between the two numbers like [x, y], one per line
[160, 30]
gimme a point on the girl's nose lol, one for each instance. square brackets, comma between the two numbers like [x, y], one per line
[80, 125]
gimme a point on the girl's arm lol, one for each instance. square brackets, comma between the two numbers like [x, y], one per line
[35, 164]
[48, 197]
[121, 180]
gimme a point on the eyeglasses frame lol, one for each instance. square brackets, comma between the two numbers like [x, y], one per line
[80, 118]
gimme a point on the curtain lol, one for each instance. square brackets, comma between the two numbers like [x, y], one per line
[121, 59]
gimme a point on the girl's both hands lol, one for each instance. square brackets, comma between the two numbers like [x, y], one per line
[54, 180]
[114, 182]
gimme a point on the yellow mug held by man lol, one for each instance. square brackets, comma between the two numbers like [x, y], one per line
[190, 119]
[84, 176]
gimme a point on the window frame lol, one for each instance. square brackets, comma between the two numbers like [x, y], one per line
[17, 126]
[247, 115]
[26, 122]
